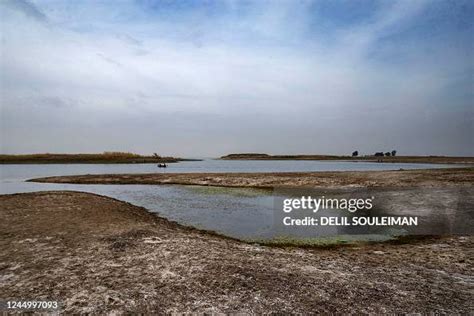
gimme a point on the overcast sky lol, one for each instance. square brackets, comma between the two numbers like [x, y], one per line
[207, 78]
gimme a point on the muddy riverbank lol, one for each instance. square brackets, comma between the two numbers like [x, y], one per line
[401, 178]
[96, 254]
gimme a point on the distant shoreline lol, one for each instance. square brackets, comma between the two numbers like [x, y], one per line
[103, 158]
[384, 159]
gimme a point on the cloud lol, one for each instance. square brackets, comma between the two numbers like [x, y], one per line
[26, 8]
[266, 76]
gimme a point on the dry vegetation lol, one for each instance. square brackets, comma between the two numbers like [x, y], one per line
[106, 157]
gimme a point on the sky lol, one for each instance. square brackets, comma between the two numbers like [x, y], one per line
[208, 78]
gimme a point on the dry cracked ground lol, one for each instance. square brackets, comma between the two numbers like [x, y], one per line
[331, 179]
[98, 255]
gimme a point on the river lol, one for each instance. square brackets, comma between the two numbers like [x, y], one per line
[238, 212]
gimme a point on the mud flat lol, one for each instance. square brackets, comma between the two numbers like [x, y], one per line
[96, 254]
[401, 178]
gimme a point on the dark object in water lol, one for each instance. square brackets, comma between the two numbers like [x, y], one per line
[162, 165]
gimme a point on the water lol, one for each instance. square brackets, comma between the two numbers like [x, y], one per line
[27, 171]
[237, 212]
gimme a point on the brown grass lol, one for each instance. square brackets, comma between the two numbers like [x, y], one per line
[105, 157]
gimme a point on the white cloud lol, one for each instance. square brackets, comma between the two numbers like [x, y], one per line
[88, 69]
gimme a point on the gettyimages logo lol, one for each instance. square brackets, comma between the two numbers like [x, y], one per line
[313, 212]
[338, 206]
[308, 212]
[323, 203]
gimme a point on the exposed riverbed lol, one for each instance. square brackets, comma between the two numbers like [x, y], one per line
[96, 255]
[240, 212]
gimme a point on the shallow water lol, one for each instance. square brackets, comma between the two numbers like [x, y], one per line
[237, 212]
[26, 171]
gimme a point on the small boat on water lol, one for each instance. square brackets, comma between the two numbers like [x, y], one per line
[162, 165]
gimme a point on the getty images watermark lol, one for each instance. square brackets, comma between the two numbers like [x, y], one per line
[314, 212]
[352, 205]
